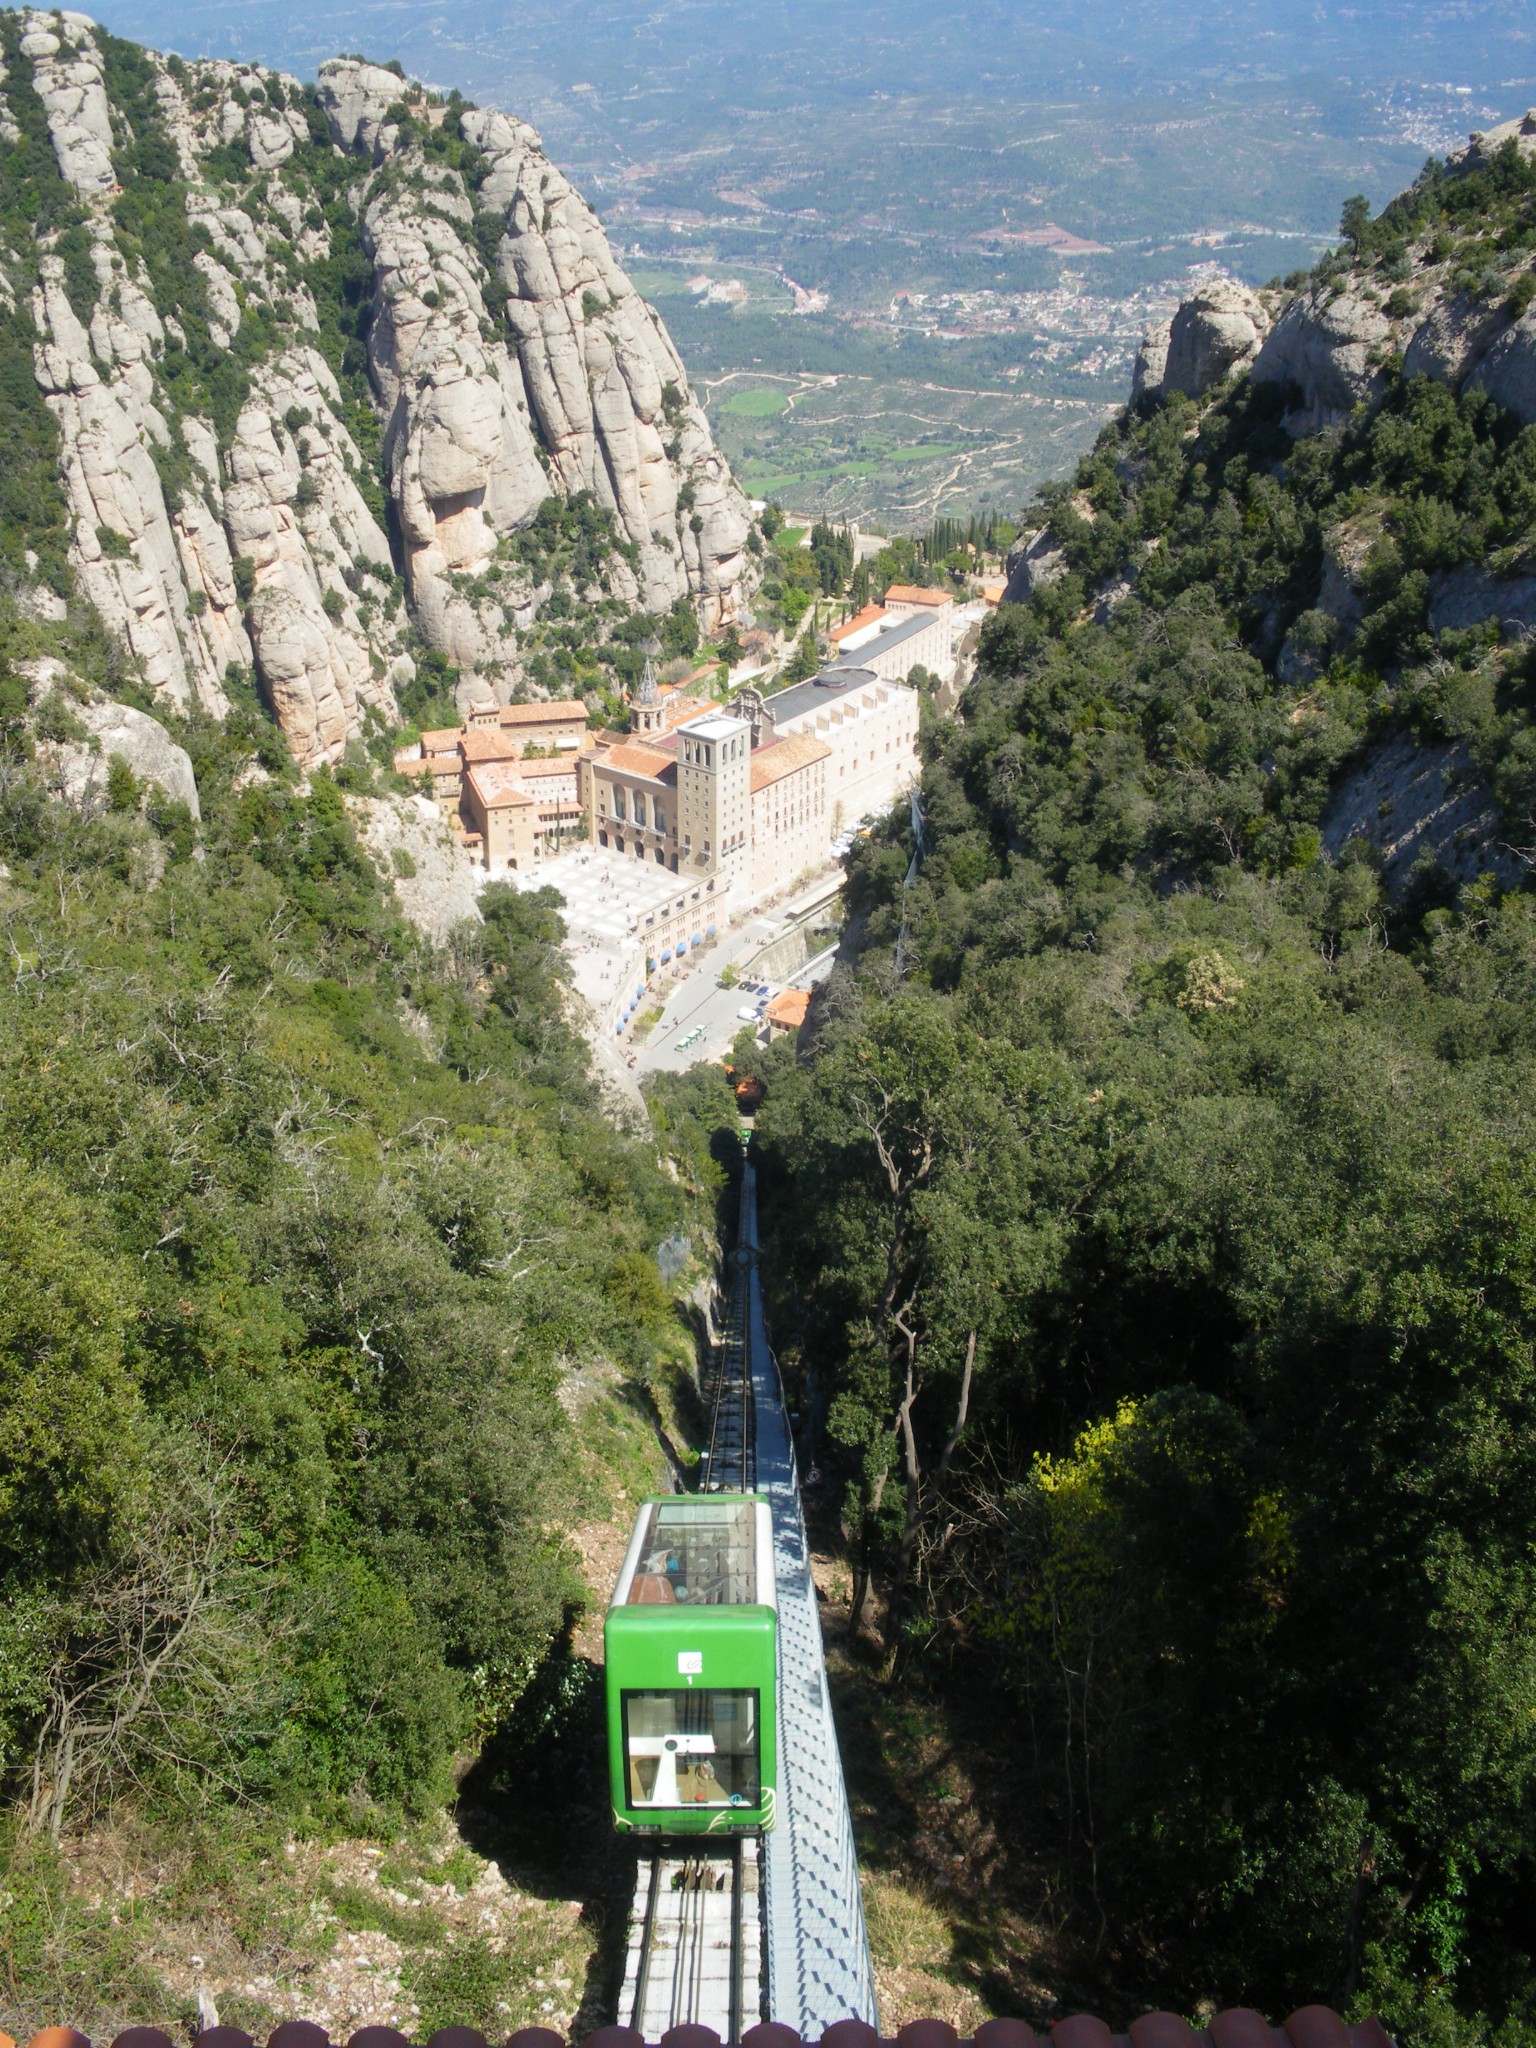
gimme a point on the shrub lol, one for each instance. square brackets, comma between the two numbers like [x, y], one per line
[122, 786]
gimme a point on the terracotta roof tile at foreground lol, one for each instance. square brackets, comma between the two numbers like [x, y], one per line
[1162, 2030]
[1082, 2030]
[1312, 2026]
[1241, 2027]
[918, 593]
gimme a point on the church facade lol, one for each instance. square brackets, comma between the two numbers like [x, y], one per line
[754, 796]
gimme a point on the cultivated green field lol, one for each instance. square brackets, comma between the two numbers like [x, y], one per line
[893, 453]
[756, 403]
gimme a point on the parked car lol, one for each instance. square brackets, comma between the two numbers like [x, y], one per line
[747, 1016]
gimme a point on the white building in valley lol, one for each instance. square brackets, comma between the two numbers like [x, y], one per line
[691, 825]
[868, 725]
[755, 797]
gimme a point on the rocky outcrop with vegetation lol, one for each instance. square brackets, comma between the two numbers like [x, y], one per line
[1218, 331]
[1174, 1128]
[265, 325]
[1370, 527]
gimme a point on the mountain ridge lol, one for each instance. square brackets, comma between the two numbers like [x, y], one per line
[289, 336]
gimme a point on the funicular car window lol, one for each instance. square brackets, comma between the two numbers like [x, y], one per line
[692, 1748]
[701, 1555]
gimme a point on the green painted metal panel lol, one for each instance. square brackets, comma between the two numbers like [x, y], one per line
[683, 1649]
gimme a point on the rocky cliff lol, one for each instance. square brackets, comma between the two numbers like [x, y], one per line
[313, 358]
[1340, 464]
[1428, 302]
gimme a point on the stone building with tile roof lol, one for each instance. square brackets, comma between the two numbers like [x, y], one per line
[507, 777]
[720, 796]
[868, 722]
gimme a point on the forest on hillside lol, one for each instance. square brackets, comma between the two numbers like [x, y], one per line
[1158, 1196]
[305, 1226]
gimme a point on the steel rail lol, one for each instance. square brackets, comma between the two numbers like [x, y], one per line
[812, 1951]
[648, 1930]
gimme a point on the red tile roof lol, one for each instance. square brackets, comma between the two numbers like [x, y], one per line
[788, 1008]
[775, 759]
[488, 743]
[871, 615]
[496, 784]
[917, 593]
[561, 712]
[634, 757]
[1313, 2026]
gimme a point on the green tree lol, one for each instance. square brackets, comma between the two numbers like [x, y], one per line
[1355, 221]
[69, 1437]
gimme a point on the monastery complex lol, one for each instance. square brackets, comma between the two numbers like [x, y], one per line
[749, 799]
[698, 814]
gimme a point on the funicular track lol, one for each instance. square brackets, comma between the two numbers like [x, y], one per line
[729, 1465]
[725, 1934]
[696, 1943]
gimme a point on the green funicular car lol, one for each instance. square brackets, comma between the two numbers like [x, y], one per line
[691, 1646]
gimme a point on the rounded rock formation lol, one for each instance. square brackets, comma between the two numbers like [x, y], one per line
[1218, 331]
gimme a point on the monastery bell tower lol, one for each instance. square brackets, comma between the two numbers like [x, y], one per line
[714, 776]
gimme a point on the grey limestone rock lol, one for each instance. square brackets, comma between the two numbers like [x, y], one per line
[120, 732]
[1034, 562]
[1331, 622]
[1480, 148]
[1506, 369]
[1452, 338]
[1151, 361]
[67, 73]
[1409, 801]
[1328, 345]
[355, 97]
[1469, 596]
[464, 465]
[293, 511]
[508, 367]
[435, 886]
[1216, 332]
[1346, 548]
[606, 390]
[123, 548]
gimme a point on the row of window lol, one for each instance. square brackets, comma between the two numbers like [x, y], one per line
[697, 753]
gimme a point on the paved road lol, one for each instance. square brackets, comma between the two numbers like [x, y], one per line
[701, 1000]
